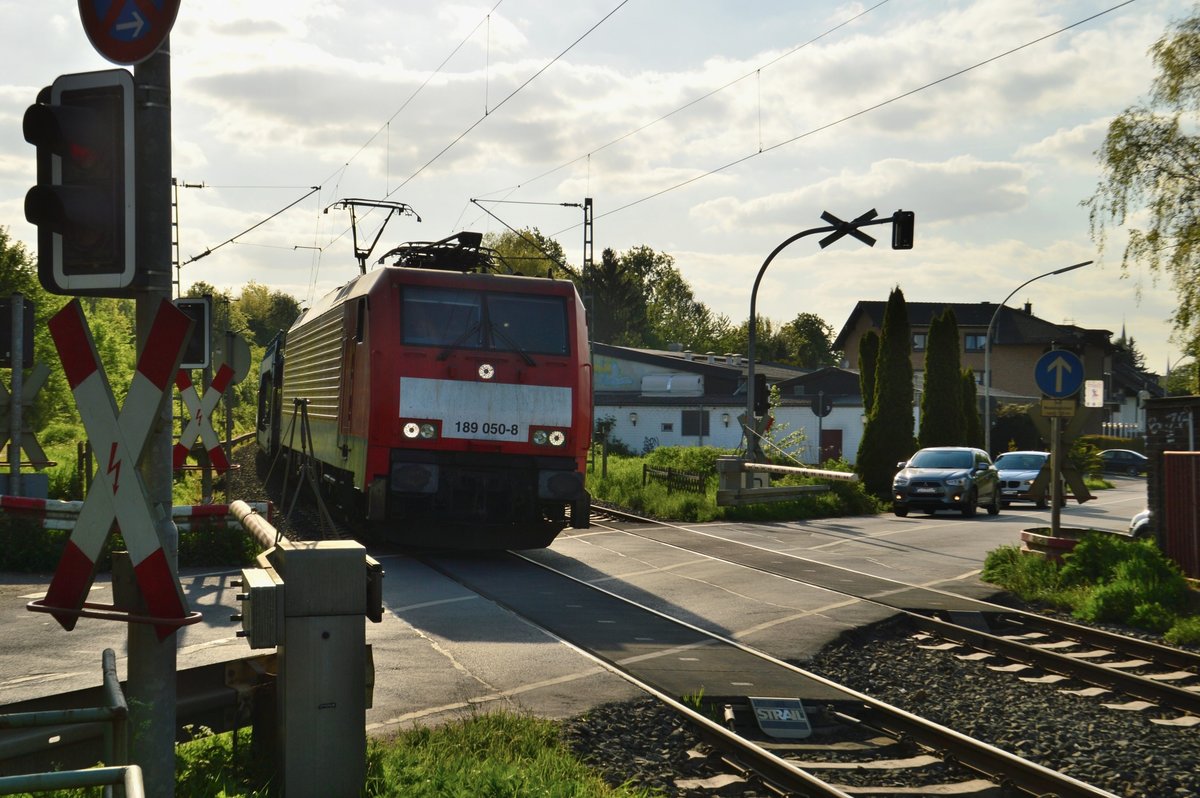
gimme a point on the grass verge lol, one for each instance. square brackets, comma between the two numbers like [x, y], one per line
[619, 483]
[1105, 579]
[500, 755]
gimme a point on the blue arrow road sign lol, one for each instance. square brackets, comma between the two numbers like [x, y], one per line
[1059, 373]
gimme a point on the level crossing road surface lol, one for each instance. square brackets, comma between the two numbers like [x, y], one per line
[443, 652]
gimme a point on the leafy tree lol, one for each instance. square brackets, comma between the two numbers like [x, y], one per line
[528, 252]
[808, 341]
[18, 274]
[675, 315]
[1150, 169]
[617, 303]
[769, 346]
[941, 402]
[1183, 379]
[647, 266]
[868, 357]
[972, 424]
[888, 436]
[263, 311]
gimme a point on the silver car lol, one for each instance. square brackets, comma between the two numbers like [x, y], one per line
[1018, 473]
[946, 478]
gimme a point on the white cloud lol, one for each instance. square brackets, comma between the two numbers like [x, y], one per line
[274, 97]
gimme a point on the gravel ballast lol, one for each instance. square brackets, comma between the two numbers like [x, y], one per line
[1118, 751]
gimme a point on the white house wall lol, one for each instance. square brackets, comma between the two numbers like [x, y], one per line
[649, 430]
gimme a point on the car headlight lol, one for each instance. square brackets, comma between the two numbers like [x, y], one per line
[1026, 484]
[956, 481]
[899, 482]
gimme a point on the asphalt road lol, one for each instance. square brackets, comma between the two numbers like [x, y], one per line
[443, 652]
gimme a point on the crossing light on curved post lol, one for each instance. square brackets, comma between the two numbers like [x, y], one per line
[902, 238]
[987, 350]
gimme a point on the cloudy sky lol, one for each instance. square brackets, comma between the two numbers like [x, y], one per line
[710, 130]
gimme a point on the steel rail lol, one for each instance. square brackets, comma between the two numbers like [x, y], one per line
[1098, 674]
[1094, 673]
[994, 763]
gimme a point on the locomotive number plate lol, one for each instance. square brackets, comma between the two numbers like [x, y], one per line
[487, 411]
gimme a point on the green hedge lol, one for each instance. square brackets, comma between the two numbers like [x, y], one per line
[25, 547]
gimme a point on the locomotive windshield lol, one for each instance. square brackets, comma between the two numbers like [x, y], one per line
[477, 320]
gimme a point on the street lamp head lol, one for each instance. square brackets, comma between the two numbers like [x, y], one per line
[1065, 269]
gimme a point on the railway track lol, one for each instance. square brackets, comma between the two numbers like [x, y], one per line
[1128, 672]
[857, 744]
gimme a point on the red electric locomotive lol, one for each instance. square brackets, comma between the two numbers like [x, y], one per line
[450, 406]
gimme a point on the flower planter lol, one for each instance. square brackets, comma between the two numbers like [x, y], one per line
[1040, 542]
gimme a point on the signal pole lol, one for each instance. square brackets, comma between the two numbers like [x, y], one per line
[152, 663]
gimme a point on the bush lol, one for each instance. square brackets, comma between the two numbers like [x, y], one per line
[1105, 560]
[1105, 578]
[1153, 616]
[1113, 602]
[1185, 632]
[1031, 578]
[693, 459]
[27, 548]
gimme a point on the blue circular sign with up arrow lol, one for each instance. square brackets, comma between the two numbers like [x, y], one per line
[1059, 373]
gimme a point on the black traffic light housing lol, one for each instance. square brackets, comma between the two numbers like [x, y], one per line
[762, 395]
[84, 201]
[197, 352]
[903, 223]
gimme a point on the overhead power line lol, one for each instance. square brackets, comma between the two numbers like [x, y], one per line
[211, 250]
[696, 100]
[855, 114]
[511, 94]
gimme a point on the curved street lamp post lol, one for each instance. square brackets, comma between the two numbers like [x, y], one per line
[902, 238]
[987, 352]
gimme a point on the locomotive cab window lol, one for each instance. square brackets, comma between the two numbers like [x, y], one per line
[441, 317]
[473, 320]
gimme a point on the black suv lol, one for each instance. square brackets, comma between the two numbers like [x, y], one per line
[946, 478]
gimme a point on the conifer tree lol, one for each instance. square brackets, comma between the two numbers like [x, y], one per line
[972, 425]
[941, 401]
[868, 357]
[888, 436]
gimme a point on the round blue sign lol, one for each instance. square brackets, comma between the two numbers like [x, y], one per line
[127, 31]
[1059, 373]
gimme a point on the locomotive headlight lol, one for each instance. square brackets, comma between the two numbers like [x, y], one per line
[425, 430]
[548, 436]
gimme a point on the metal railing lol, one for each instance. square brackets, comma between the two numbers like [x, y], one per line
[113, 715]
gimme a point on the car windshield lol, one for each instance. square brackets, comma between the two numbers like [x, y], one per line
[936, 459]
[1020, 462]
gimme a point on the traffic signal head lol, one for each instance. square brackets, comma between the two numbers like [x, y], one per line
[902, 229]
[762, 395]
[84, 200]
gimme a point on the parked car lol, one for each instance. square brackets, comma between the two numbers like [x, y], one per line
[1124, 461]
[1139, 525]
[946, 478]
[1018, 471]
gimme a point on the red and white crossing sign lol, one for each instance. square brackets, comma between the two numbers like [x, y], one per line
[118, 439]
[29, 389]
[200, 415]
